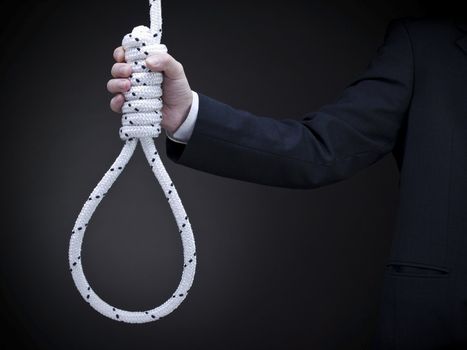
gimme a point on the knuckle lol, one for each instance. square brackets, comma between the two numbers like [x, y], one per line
[165, 59]
[176, 66]
[114, 68]
[109, 85]
[114, 105]
[180, 67]
[119, 53]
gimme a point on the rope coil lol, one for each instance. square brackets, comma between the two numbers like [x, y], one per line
[141, 120]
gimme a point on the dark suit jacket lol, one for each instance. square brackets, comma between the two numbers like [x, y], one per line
[411, 101]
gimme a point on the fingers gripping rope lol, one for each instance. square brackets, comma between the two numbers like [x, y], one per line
[140, 121]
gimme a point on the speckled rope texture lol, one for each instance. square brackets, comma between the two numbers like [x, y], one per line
[140, 122]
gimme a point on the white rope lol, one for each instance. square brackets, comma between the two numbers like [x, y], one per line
[140, 121]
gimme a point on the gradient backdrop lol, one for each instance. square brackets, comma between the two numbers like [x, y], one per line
[275, 266]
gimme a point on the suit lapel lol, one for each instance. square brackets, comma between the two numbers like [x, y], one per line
[462, 42]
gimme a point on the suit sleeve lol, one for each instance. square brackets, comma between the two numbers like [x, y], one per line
[326, 146]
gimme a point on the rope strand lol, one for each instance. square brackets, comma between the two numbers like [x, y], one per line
[140, 122]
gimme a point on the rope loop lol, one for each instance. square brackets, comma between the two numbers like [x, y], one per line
[141, 118]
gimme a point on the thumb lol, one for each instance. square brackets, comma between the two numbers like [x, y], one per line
[159, 62]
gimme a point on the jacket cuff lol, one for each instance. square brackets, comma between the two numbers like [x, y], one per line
[209, 121]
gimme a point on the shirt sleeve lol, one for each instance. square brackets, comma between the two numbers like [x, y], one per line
[184, 131]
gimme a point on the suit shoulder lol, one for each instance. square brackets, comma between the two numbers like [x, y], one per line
[424, 25]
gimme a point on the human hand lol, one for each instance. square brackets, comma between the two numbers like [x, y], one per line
[177, 96]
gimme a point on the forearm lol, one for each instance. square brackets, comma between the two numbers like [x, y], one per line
[285, 153]
[326, 146]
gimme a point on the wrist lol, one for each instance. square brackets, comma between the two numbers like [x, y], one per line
[174, 118]
[183, 133]
[183, 117]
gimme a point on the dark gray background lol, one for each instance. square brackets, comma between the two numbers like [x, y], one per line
[276, 268]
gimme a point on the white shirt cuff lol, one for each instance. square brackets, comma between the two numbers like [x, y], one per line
[184, 131]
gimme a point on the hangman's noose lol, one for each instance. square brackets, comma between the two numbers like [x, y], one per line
[140, 122]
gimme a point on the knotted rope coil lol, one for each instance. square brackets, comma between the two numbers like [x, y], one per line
[141, 120]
